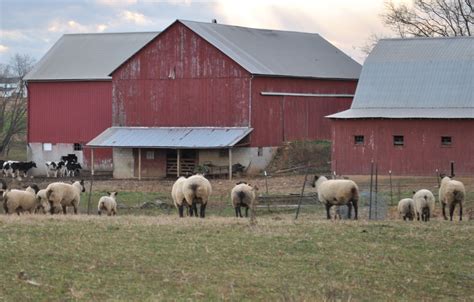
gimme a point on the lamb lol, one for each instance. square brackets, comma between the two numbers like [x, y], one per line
[451, 193]
[42, 202]
[424, 204]
[178, 196]
[17, 201]
[63, 195]
[108, 204]
[337, 192]
[406, 209]
[197, 189]
[242, 195]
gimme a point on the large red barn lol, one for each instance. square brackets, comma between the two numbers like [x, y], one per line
[413, 112]
[275, 86]
[70, 95]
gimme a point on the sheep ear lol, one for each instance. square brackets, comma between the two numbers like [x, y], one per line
[116, 193]
[108, 193]
[414, 192]
[255, 188]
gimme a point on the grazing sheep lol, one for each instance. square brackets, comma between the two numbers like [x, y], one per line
[406, 209]
[451, 193]
[43, 202]
[337, 192]
[17, 201]
[178, 196]
[64, 195]
[197, 189]
[108, 204]
[242, 195]
[424, 204]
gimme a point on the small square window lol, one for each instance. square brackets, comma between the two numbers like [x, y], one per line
[398, 140]
[446, 140]
[358, 139]
[150, 155]
[77, 147]
[47, 147]
[223, 153]
[260, 151]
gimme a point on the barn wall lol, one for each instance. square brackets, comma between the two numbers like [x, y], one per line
[179, 79]
[151, 167]
[68, 113]
[421, 155]
[276, 119]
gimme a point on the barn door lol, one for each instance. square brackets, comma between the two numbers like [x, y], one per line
[189, 159]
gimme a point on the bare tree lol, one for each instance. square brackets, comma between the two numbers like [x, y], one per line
[431, 18]
[13, 99]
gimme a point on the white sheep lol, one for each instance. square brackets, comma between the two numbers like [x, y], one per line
[337, 192]
[406, 209]
[178, 196]
[424, 204]
[451, 193]
[43, 202]
[197, 189]
[63, 195]
[242, 195]
[17, 201]
[108, 204]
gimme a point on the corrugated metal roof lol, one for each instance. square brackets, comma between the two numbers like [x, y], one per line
[170, 137]
[420, 77]
[278, 53]
[88, 56]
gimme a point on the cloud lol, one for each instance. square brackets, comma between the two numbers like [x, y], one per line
[72, 26]
[3, 48]
[135, 17]
[116, 2]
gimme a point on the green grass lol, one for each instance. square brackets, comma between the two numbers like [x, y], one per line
[165, 258]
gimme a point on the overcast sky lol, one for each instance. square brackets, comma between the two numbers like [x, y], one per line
[33, 26]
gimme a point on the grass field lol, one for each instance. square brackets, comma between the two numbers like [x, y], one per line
[166, 258]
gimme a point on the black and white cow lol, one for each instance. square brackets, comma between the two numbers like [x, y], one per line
[7, 168]
[73, 169]
[56, 168]
[23, 167]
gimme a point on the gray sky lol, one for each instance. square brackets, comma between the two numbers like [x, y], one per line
[33, 26]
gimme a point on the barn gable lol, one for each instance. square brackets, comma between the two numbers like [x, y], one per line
[416, 78]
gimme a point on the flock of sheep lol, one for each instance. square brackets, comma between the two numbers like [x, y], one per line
[188, 193]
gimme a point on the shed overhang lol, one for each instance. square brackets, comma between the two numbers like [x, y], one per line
[170, 137]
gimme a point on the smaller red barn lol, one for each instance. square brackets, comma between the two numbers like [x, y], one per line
[413, 112]
[275, 86]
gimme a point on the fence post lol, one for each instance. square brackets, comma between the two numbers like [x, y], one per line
[302, 191]
[90, 195]
[391, 188]
[370, 188]
[376, 190]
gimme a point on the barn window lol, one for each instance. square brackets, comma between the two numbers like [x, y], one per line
[150, 155]
[358, 139]
[446, 140]
[260, 151]
[77, 147]
[47, 147]
[398, 140]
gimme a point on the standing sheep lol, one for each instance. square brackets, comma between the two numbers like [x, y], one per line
[178, 196]
[43, 202]
[424, 204]
[451, 193]
[108, 204]
[242, 195]
[337, 192]
[64, 195]
[17, 201]
[406, 209]
[197, 189]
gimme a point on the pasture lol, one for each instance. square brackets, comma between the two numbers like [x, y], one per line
[151, 254]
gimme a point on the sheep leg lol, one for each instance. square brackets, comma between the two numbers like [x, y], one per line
[246, 211]
[349, 210]
[444, 211]
[460, 211]
[181, 210]
[328, 214]
[451, 211]
[356, 209]
[194, 209]
[64, 210]
[203, 210]
[237, 208]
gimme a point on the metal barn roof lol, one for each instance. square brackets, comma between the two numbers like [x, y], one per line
[416, 78]
[278, 53]
[88, 56]
[170, 137]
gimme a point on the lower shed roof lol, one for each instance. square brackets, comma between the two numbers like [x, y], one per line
[170, 137]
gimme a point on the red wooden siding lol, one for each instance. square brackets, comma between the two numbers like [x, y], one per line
[179, 79]
[287, 118]
[421, 154]
[68, 112]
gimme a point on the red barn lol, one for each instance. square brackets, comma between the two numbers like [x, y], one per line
[70, 95]
[413, 112]
[258, 87]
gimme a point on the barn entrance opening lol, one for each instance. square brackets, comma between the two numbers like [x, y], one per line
[188, 162]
